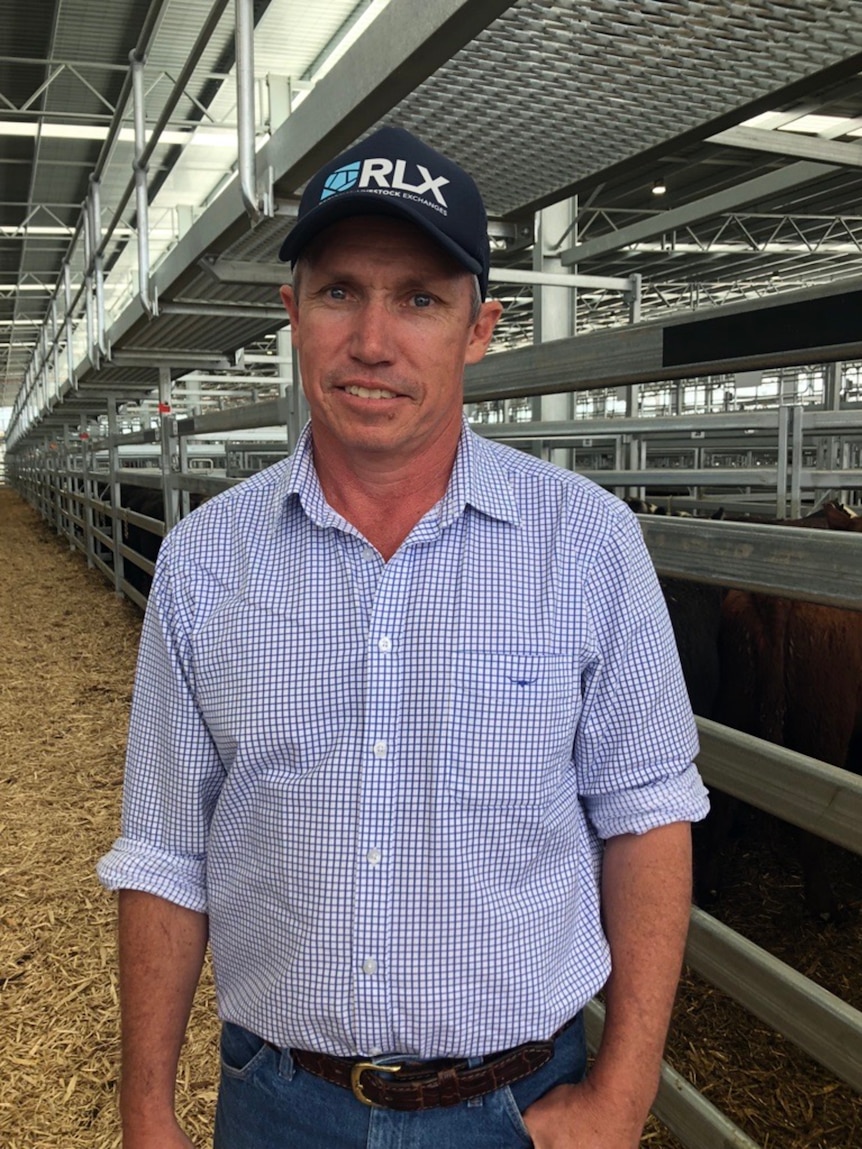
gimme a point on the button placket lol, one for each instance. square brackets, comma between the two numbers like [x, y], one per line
[378, 798]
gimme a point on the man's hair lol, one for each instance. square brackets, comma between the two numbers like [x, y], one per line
[306, 260]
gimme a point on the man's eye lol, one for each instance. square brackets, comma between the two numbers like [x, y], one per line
[336, 293]
[421, 299]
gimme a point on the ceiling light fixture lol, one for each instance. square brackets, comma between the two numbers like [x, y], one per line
[659, 187]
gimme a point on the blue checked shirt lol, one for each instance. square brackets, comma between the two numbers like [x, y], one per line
[387, 784]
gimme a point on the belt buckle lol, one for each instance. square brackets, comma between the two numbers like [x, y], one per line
[356, 1083]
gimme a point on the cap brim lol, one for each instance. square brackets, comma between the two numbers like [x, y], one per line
[351, 204]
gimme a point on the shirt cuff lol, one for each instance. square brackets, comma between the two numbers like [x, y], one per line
[135, 865]
[677, 797]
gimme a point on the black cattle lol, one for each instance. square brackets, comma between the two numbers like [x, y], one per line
[791, 674]
[786, 671]
[144, 501]
[695, 615]
[149, 502]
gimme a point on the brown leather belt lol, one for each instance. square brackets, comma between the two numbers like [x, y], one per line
[413, 1085]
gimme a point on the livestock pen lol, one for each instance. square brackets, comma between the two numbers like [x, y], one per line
[766, 1045]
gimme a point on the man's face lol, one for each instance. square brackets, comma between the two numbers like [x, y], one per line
[383, 329]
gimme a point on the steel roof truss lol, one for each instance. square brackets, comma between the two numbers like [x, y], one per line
[720, 202]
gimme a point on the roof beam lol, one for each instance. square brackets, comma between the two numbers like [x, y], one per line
[790, 144]
[717, 204]
[247, 271]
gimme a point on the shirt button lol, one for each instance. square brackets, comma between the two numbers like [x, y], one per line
[385, 644]
[369, 966]
[368, 554]
[380, 749]
[373, 856]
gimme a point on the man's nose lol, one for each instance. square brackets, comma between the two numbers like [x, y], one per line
[372, 334]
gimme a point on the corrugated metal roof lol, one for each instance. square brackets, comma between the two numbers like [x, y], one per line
[556, 94]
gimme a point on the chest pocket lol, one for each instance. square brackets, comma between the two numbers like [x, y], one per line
[513, 719]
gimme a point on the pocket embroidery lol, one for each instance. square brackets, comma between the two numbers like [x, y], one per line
[512, 727]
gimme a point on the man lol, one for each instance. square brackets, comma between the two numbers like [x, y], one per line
[409, 744]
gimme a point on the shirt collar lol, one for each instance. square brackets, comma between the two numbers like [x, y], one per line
[301, 480]
[478, 480]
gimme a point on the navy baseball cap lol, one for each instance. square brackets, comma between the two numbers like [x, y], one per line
[394, 173]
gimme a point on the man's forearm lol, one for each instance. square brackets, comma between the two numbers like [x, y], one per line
[162, 948]
[646, 897]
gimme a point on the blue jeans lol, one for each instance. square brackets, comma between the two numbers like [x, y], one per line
[267, 1102]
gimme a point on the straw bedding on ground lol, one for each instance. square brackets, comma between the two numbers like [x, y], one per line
[67, 652]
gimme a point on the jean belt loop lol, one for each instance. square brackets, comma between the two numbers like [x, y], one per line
[286, 1064]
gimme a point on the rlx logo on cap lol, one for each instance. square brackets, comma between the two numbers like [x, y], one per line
[378, 171]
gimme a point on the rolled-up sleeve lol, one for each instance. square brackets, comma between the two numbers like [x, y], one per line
[173, 770]
[636, 739]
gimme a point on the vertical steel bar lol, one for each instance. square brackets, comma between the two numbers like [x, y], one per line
[86, 457]
[139, 165]
[245, 107]
[781, 462]
[43, 367]
[831, 402]
[634, 450]
[846, 463]
[114, 493]
[287, 372]
[184, 500]
[70, 330]
[832, 386]
[634, 298]
[796, 463]
[55, 347]
[96, 233]
[62, 481]
[170, 495]
[554, 308]
[88, 284]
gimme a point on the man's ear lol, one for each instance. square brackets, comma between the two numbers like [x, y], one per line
[288, 298]
[483, 330]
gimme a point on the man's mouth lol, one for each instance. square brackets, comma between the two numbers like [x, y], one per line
[369, 392]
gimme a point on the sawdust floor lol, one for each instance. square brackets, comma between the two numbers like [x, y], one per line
[67, 653]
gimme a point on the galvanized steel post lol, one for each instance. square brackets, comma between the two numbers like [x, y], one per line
[115, 494]
[95, 202]
[170, 494]
[55, 349]
[245, 106]
[67, 300]
[139, 166]
[555, 309]
[92, 350]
